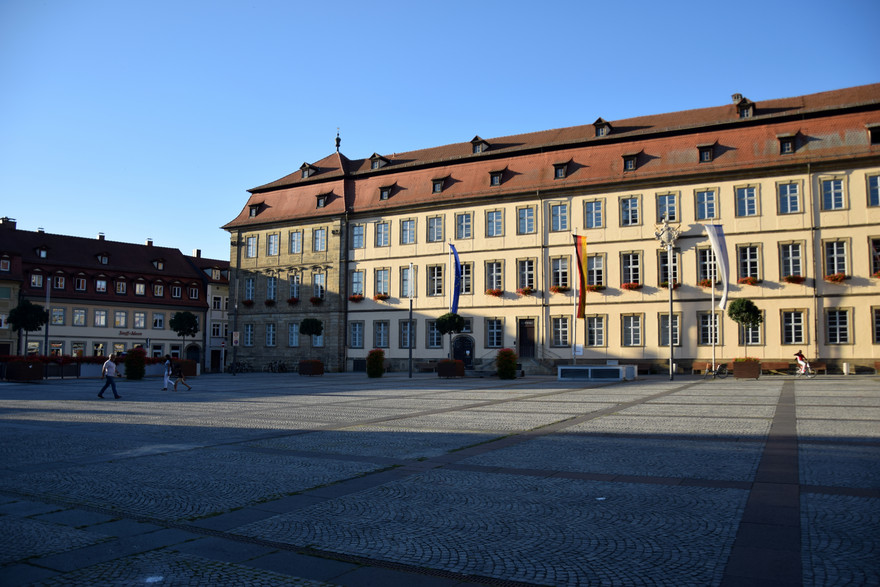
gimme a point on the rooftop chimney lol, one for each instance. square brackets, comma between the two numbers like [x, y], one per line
[100, 236]
[7, 222]
[736, 98]
[149, 242]
[197, 253]
[40, 229]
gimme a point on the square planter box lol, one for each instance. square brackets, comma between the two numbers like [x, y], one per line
[746, 369]
[309, 367]
[450, 369]
[23, 371]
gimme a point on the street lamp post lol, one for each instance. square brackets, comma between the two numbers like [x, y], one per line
[410, 327]
[667, 235]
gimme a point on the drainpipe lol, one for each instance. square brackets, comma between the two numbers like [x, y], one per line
[817, 258]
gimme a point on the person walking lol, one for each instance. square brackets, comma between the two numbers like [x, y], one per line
[181, 377]
[109, 371]
[167, 381]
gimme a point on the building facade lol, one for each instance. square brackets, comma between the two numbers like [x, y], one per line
[108, 297]
[793, 183]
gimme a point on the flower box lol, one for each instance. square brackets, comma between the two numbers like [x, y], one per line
[595, 287]
[836, 277]
[316, 301]
[495, 292]
[356, 298]
[631, 286]
[706, 283]
[876, 275]
[292, 301]
[797, 279]
[247, 303]
[269, 303]
[665, 284]
[748, 281]
[746, 368]
[558, 289]
[381, 297]
[525, 291]
[450, 368]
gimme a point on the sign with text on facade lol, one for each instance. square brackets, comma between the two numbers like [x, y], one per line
[235, 337]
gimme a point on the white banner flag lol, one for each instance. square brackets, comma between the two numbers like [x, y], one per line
[719, 247]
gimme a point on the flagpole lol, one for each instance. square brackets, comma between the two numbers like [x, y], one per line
[712, 309]
[574, 321]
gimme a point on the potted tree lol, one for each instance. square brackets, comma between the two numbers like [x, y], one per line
[375, 363]
[744, 312]
[450, 323]
[184, 324]
[505, 361]
[311, 327]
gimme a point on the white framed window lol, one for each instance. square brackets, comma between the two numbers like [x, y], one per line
[58, 282]
[494, 275]
[158, 290]
[407, 232]
[525, 273]
[249, 288]
[525, 220]
[250, 249]
[293, 334]
[463, 224]
[593, 217]
[100, 284]
[559, 272]
[79, 317]
[558, 217]
[319, 284]
[667, 207]
[121, 287]
[270, 334]
[319, 240]
[358, 232]
[57, 318]
[193, 292]
[631, 267]
[356, 335]
[271, 288]
[295, 246]
[100, 318]
[595, 269]
[248, 335]
[406, 334]
[140, 320]
[749, 261]
[754, 334]
[707, 268]
[358, 283]
[272, 244]
[790, 259]
[435, 229]
[407, 283]
[709, 328]
[631, 330]
[665, 273]
[837, 326]
[793, 327]
[629, 211]
[381, 334]
[435, 280]
[663, 329]
[79, 283]
[120, 319]
[467, 278]
[707, 204]
[494, 333]
[874, 190]
[595, 330]
[140, 288]
[383, 282]
[747, 201]
[176, 291]
[561, 328]
[494, 223]
[789, 197]
[294, 282]
[434, 339]
[836, 257]
[383, 234]
[158, 321]
[832, 194]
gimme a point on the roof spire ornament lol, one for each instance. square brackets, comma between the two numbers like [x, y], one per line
[338, 140]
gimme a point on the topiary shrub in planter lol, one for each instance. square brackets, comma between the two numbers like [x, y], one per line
[135, 361]
[450, 368]
[505, 361]
[375, 363]
[310, 367]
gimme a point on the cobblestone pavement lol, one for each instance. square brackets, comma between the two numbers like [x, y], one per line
[276, 479]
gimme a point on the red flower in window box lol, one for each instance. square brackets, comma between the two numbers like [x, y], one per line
[798, 279]
[706, 283]
[631, 286]
[595, 287]
[381, 297]
[665, 284]
[495, 292]
[558, 288]
[836, 277]
[356, 298]
[316, 301]
[269, 303]
[876, 275]
[748, 281]
[247, 303]
[292, 301]
[525, 291]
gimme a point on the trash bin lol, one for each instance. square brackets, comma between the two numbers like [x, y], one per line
[847, 368]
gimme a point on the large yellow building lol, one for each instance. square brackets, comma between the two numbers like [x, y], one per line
[792, 182]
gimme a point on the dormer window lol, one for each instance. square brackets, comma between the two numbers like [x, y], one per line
[630, 162]
[873, 133]
[5, 264]
[385, 192]
[787, 144]
[377, 161]
[495, 177]
[253, 210]
[437, 185]
[103, 258]
[42, 252]
[560, 170]
[478, 145]
[603, 128]
[707, 153]
[307, 170]
[321, 200]
[745, 108]
[159, 264]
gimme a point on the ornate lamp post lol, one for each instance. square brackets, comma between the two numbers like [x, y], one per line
[667, 235]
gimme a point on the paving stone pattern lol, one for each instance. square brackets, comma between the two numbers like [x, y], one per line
[275, 479]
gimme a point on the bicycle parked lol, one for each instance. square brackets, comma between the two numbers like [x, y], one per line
[719, 372]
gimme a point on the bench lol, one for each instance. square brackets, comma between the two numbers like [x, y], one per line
[426, 366]
[700, 367]
[819, 367]
[777, 367]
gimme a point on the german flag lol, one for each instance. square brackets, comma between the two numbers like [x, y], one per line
[580, 249]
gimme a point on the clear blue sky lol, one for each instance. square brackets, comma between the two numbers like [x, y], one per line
[151, 118]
